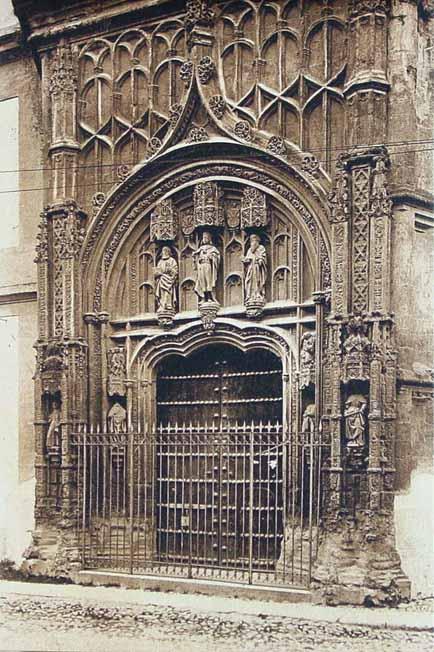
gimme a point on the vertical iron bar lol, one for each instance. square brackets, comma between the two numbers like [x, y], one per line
[130, 444]
[251, 482]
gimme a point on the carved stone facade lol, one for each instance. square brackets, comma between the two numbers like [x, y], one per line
[207, 186]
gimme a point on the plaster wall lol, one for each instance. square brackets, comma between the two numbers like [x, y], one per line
[18, 308]
[18, 333]
[413, 305]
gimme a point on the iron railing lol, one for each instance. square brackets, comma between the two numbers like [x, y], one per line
[240, 502]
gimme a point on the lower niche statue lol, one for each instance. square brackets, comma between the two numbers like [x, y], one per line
[355, 422]
[308, 423]
[117, 419]
[166, 274]
[255, 276]
[207, 261]
[53, 440]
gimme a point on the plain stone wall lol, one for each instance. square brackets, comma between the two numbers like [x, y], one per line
[413, 306]
[414, 528]
[19, 78]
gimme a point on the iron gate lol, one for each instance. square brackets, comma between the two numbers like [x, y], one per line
[239, 502]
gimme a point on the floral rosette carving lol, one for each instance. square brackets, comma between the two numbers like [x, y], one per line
[154, 145]
[243, 130]
[97, 201]
[276, 145]
[197, 135]
[206, 70]
[217, 104]
[186, 72]
[310, 164]
[175, 113]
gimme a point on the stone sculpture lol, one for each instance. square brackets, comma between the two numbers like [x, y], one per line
[355, 421]
[207, 261]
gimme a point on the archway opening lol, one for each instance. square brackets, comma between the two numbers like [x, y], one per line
[220, 460]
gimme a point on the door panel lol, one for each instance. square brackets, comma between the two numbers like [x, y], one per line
[219, 481]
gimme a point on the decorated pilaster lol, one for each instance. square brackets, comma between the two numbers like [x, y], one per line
[61, 390]
[367, 85]
[358, 551]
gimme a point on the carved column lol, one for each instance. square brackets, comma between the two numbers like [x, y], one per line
[64, 146]
[403, 61]
[361, 371]
[360, 326]
[62, 352]
[367, 86]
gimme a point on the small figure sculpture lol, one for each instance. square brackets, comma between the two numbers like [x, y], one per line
[207, 261]
[53, 439]
[357, 348]
[308, 423]
[355, 421]
[307, 359]
[379, 183]
[117, 419]
[256, 270]
[166, 274]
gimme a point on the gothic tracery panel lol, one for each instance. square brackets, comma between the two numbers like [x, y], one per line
[300, 98]
[127, 86]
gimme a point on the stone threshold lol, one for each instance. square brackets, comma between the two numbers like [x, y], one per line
[193, 586]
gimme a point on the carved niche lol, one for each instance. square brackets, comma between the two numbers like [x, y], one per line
[53, 441]
[356, 348]
[255, 276]
[166, 276]
[253, 259]
[356, 429]
[307, 360]
[117, 372]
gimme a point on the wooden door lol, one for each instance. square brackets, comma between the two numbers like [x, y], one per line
[219, 465]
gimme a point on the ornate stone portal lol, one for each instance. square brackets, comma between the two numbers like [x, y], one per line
[222, 217]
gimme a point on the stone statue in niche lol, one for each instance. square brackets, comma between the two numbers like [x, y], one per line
[307, 360]
[166, 275]
[207, 261]
[117, 419]
[379, 183]
[355, 421]
[116, 363]
[53, 440]
[255, 275]
[308, 423]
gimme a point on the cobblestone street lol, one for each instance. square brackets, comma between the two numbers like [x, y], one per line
[53, 623]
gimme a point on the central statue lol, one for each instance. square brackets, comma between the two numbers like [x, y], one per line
[207, 260]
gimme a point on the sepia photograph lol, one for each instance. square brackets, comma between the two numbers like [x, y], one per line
[216, 325]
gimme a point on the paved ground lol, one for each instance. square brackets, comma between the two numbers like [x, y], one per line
[161, 623]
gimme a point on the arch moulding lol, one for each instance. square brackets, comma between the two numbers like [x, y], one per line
[161, 178]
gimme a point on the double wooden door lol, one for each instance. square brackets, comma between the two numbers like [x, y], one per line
[220, 459]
